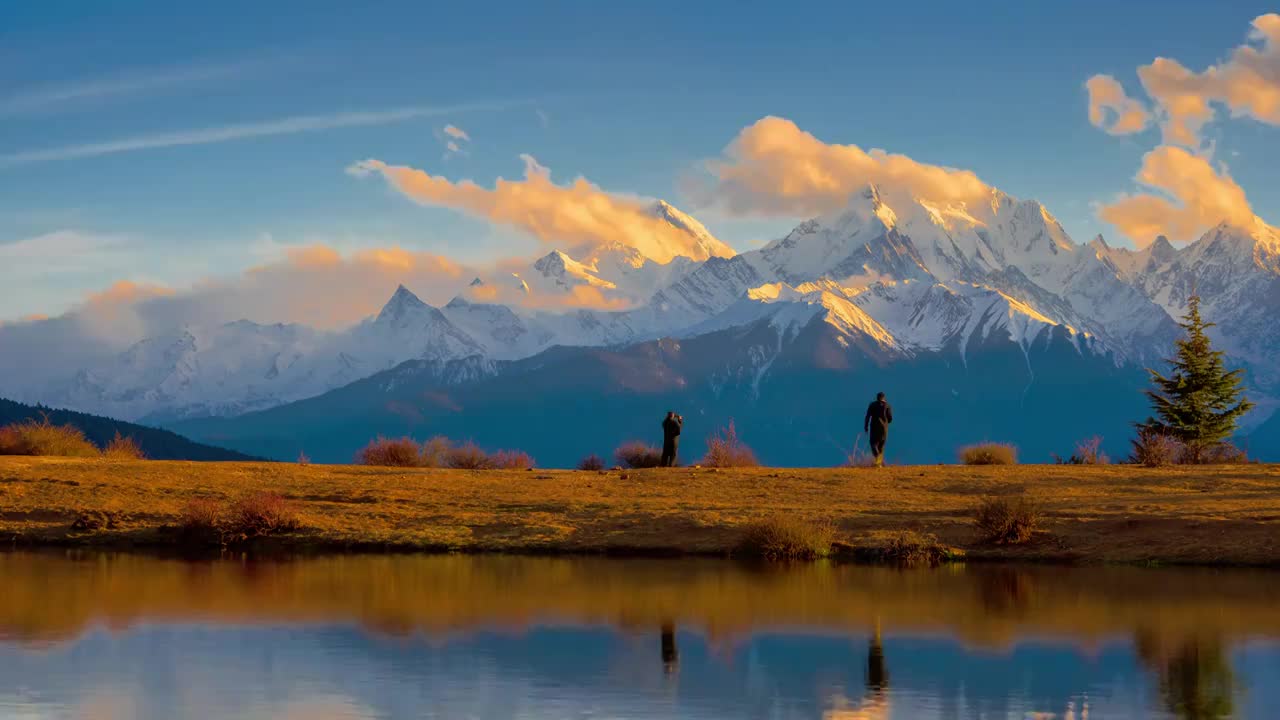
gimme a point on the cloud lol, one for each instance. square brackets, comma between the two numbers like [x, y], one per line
[774, 168]
[300, 287]
[58, 251]
[1113, 110]
[454, 139]
[1199, 197]
[45, 98]
[1247, 83]
[577, 216]
[226, 133]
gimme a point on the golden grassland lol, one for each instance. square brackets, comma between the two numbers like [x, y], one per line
[1107, 513]
[55, 595]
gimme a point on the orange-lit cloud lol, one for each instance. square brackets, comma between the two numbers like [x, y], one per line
[1199, 197]
[775, 168]
[456, 133]
[575, 217]
[1113, 110]
[1247, 83]
[320, 286]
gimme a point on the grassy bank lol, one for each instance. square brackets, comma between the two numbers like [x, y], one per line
[1203, 515]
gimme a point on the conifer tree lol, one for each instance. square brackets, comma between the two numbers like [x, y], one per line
[1199, 402]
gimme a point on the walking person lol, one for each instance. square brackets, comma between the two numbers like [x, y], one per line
[876, 425]
[672, 424]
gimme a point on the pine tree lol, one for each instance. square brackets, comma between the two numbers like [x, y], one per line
[1200, 401]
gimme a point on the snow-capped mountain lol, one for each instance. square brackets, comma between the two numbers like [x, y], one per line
[1236, 272]
[889, 278]
[242, 366]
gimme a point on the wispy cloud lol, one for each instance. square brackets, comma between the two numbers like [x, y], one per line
[226, 133]
[50, 97]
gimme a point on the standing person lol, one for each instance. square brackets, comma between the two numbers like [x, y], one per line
[671, 426]
[876, 425]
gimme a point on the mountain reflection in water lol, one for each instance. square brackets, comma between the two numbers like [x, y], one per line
[127, 636]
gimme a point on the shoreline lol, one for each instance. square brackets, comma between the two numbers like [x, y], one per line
[1214, 516]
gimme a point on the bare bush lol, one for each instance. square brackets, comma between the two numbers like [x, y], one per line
[1156, 449]
[1088, 452]
[914, 549]
[637, 454]
[388, 452]
[435, 452]
[787, 537]
[989, 454]
[511, 460]
[1224, 454]
[41, 437]
[726, 450]
[469, 456]
[1001, 522]
[123, 448]
[261, 514]
[591, 462]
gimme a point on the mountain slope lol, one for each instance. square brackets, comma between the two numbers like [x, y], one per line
[797, 402]
[157, 444]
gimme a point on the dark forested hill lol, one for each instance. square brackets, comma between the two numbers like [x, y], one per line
[157, 444]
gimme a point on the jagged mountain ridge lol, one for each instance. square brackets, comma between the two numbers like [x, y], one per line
[897, 277]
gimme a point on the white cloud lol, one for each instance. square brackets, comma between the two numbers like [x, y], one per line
[130, 83]
[226, 133]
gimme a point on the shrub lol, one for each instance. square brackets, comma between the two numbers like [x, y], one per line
[469, 457]
[123, 448]
[726, 450]
[1088, 452]
[591, 462]
[435, 452]
[1224, 454]
[201, 521]
[637, 454]
[989, 454]
[41, 437]
[1001, 522]
[387, 452]
[787, 537]
[911, 549]
[259, 515]
[511, 460]
[1155, 449]
[303, 458]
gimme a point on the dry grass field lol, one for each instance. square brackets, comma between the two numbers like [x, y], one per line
[1109, 513]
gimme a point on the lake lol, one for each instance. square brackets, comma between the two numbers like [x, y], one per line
[108, 636]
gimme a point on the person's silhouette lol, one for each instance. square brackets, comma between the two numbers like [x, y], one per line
[670, 654]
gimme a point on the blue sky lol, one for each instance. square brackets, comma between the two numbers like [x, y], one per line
[633, 97]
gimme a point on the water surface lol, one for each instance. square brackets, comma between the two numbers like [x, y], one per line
[127, 636]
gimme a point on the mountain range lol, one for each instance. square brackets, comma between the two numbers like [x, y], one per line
[981, 322]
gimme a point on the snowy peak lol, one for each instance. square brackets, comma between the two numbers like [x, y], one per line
[790, 309]
[704, 243]
[565, 273]
[926, 316]
[402, 306]
[1227, 245]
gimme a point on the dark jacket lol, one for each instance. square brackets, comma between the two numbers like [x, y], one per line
[671, 428]
[879, 415]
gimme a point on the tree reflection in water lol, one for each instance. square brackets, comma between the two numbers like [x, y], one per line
[1195, 678]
